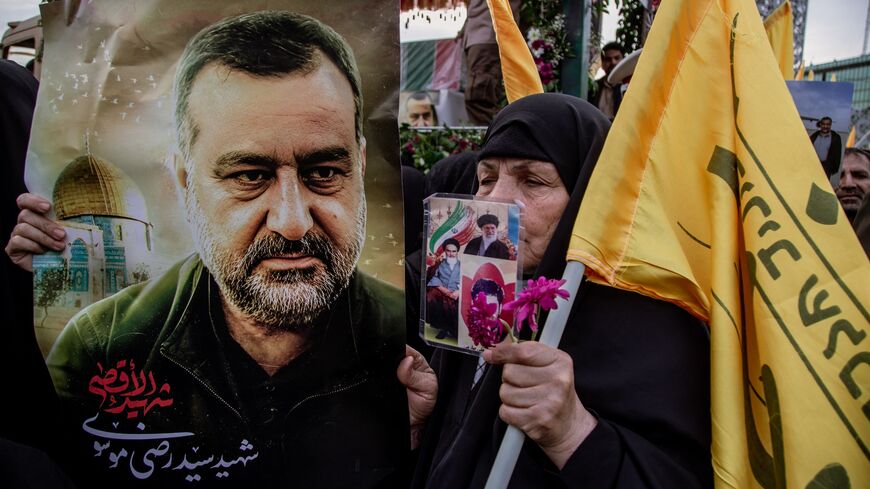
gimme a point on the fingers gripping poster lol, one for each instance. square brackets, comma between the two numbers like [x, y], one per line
[223, 313]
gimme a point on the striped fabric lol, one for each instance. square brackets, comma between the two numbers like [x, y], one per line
[431, 65]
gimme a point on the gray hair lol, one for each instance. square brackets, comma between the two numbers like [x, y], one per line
[261, 44]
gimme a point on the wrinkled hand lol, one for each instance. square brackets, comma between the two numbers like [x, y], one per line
[35, 233]
[538, 397]
[421, 385]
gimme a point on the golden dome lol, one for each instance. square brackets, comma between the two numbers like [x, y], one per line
[92, 186]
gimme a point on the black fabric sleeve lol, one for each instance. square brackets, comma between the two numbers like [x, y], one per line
[643, 367]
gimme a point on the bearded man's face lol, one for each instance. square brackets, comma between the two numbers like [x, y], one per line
[273, 187]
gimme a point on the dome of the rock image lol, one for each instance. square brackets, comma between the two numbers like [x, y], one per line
[90, 185]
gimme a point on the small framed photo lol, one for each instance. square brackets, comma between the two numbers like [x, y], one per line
[472, 267]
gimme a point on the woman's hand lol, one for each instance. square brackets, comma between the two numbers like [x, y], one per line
[538, 397]
[421, 385]
[35, 233]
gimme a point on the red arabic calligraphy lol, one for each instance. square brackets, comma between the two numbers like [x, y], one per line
[123, 389]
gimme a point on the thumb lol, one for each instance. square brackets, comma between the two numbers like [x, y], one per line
[405, 372]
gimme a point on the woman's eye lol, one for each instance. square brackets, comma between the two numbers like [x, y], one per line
[485, 182]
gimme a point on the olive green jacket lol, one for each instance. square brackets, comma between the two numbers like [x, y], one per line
[150, 397]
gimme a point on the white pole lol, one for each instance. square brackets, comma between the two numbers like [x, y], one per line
[512, 443]
[858, 144]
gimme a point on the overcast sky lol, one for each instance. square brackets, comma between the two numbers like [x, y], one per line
[17, 10]
[835, 28]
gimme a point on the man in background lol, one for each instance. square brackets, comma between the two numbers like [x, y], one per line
[483, 88]
[828, 146]
[854, 180]
[607, 97]
[420, 110]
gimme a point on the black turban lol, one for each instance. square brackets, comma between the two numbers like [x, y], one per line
[487, 219]
[451, 241]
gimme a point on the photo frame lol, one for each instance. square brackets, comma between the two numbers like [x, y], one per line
[472, 267]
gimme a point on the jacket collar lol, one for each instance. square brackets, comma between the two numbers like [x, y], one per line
[194, 345]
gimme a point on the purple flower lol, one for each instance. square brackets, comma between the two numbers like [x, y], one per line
[409, 148]
[538, 43]
[538, 293]
[484, 327]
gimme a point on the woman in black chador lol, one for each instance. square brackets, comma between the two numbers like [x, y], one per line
[624, 401]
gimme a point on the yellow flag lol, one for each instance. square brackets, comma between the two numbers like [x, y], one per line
[517, 65]
[709, 194]
[811, 75]
[800, 72]
[833, 77]
[780, 31]
[850, 141]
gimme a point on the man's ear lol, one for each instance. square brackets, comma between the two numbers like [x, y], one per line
[180, 170]
[362, 156]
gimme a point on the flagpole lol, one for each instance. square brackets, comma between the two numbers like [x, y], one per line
[858, 144]
[512, 443]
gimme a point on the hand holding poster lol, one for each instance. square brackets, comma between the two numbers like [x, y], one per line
[267, 352]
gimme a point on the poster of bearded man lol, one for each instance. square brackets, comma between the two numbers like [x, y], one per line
[222, 312]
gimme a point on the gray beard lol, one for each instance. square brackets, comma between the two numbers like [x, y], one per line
[284, 300]
[487, 241]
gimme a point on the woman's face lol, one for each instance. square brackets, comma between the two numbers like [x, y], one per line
[537, 185]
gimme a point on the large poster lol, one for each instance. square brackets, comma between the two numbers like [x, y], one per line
[223, 313]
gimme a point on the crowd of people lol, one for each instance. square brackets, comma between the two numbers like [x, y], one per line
[623, 402]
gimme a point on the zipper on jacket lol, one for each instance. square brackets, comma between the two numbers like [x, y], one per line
[336, 390]
[204, 384]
